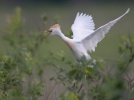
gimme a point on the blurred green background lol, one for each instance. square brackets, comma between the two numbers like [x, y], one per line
[102, 12]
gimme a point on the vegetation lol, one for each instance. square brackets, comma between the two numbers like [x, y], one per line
[22, 73]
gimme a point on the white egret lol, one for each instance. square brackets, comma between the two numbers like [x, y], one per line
[85, 38]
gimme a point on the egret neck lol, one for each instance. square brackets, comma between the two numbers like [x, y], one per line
[67, 40]
[62, 36]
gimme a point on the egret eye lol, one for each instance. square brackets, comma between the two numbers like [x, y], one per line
[49, 31]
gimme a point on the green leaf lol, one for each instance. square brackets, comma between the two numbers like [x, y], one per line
[62, 59]
[38, 93]
[40, 72]
[72, 72]
[52, 78]
[89, 70]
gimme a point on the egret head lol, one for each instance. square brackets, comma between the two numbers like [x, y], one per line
[53, 30]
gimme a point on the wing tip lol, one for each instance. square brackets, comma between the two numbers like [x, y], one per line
[128, 10]
[78, 13]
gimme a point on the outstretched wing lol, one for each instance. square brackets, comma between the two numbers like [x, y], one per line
[83, 26]
[91, 41]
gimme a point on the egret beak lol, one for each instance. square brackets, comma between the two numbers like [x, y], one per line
[48, 32]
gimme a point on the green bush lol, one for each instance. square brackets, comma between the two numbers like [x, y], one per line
[21, 72]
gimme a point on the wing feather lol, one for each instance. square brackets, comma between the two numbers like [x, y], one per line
[83, 26]
[91, 41]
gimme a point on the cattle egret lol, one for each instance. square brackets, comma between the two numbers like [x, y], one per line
[85, 38]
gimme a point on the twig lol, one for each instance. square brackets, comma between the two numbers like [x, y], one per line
[73, 86]
[129, 61]
[51, 91]
[80, 87]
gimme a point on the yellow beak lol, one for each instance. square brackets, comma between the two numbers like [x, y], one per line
[47, 33]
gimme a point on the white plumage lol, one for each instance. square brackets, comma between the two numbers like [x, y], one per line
[83, 26]
[85, 38]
